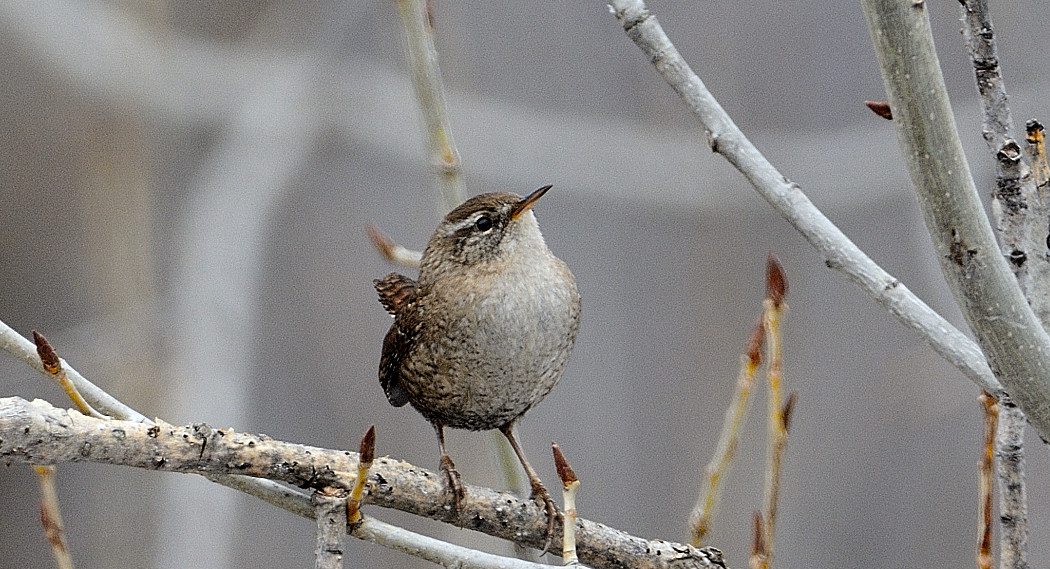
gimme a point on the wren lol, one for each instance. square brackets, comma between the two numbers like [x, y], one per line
[486, 331]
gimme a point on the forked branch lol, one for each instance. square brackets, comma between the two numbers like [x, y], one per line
[787, 198]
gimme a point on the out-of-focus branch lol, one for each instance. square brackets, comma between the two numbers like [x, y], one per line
[787, 198]
[184, 80]
[430, 91]
[51, 517]
[718, 468]
[985, 470]
[778, 414]
[1016, 346]
[391, 250]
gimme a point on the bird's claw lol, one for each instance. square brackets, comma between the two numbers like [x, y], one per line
[543, 498]
[453, 486]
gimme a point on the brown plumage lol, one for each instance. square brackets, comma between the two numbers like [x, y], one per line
[487, 330]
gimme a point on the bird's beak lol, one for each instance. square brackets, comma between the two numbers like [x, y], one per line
[528, 201]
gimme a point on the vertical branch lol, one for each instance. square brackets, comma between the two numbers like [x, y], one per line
[1013, 505]
[1037, 222]
[1019, 213]
[51, 517]
[757, 559]
[980, 44]
[714, 473]
[330, 510]
[1017, 347]
[426, 78]
[779, 413]
[367, 454]
[984, 484]
[570, 486]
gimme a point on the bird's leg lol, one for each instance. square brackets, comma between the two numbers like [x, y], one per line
[453, 487]
[538, 491]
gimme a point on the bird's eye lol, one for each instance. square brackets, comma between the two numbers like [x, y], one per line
[484, 223]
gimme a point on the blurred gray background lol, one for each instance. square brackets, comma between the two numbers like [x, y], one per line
[185, 187]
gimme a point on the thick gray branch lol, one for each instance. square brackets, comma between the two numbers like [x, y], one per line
[788, 199]
[1017, 347]
[39, 433]
[1019, 211]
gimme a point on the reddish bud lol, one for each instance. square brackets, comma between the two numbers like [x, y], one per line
[880, 108]
[754, 345]
[758, 541]
[776, 281]
[565, 471]
[787, 409]
[48, 355]
[368, 446]
[381, 242]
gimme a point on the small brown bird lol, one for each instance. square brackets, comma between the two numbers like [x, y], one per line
[487, 330]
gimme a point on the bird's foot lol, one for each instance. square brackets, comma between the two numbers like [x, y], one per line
[453, 487]
[543, 498]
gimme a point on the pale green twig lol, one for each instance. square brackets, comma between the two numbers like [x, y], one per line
[714, 474]
[426, 78]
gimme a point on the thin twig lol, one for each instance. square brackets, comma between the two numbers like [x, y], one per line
[787, 198]
[773, 311]
[757, 559]
[24, 350]
[53, 365]
[442, 553]
[985, 476]
[367, 453]
[392, 251]
[51, 517]
[717, 469]
[570, 487]
[426, 78]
